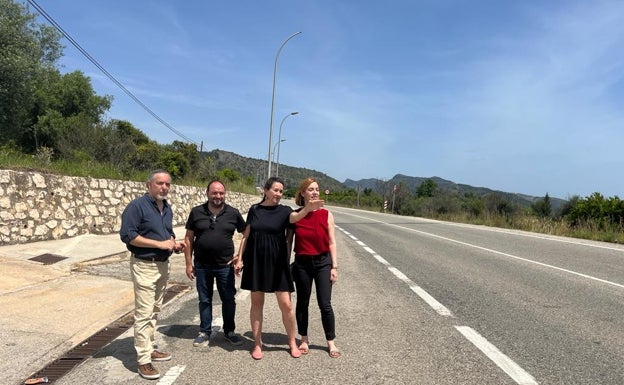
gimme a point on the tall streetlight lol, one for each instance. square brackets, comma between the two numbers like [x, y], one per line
[273, 101]
[279, 140]
[277, 145]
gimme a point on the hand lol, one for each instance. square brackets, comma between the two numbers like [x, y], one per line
[315, 204]
[238, 267]
[190, 272]
[169, 244]
[333, 277]
[179, 247]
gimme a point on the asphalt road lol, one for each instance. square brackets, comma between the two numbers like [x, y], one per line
[420, 302]
[552, 305]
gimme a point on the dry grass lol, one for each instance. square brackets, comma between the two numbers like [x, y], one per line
[589, 230]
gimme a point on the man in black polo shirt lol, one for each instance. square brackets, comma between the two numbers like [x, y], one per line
[209, 231]
[147, 231]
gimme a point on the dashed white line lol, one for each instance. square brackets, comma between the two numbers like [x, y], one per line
[511, 255]
[435, 305]
[512, 369]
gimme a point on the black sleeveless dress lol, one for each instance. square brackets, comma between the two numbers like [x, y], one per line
[265, 259]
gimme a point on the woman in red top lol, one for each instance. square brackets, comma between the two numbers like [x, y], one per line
[315, 261]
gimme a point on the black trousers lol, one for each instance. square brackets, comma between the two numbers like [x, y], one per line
[308, 269]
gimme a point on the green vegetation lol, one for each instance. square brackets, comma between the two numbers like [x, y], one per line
[594, 217]
[54, 123]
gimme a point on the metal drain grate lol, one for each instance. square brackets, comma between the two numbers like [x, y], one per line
[47, 259]
[91, 345]
[173, 290]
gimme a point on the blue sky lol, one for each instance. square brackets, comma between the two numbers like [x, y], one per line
[519, 96]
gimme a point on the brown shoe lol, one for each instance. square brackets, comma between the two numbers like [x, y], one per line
[160, 356]
[148, 371]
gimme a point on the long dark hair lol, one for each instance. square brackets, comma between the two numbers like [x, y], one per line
[269, 183]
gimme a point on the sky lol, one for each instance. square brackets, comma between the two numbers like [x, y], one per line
[517, 96]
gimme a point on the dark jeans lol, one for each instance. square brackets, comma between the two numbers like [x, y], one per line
[205, 276]
[305, 270]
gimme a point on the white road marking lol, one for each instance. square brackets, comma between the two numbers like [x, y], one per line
[435, 305]
[511, 255]
[519, 233]
[172, 374]
[512, 369]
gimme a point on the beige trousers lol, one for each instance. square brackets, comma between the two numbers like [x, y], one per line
[150, 282]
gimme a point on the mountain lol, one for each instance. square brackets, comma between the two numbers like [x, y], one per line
[412, 183]
[256, 168]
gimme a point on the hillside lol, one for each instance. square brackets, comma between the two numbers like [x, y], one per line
[256, 168]
[447, 186]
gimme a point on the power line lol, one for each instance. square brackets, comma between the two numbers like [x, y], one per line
[111, 77]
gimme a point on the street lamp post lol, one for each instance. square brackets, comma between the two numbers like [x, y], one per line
[279, 140]
[277, 145]
[273, 101]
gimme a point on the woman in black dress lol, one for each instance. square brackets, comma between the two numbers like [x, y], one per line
[266, 258]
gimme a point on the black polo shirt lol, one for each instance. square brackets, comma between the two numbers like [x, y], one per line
[212, 242]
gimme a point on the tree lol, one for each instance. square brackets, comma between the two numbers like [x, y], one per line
[127, 132]
[59, 102]
[542, 207]
[189, 151]
[604, 213]
[567, 207]
[28, 51]
[472, 204]
[227, 175]
[144, 158]
[495, 203]
[427, 188]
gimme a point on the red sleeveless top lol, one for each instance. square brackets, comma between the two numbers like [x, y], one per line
[312, 234]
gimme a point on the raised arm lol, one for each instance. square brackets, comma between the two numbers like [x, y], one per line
[310, 206]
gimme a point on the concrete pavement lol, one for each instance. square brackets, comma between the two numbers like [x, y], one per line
[47, 308]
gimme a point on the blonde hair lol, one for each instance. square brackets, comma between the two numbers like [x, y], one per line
[303, 186]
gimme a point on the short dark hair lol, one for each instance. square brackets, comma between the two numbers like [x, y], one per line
[215, 181]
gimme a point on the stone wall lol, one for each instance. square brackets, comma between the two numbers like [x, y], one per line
[37, 207]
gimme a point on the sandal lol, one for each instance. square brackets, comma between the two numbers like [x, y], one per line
[334, 353]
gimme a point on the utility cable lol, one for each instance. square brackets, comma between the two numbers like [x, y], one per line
[101, 68]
